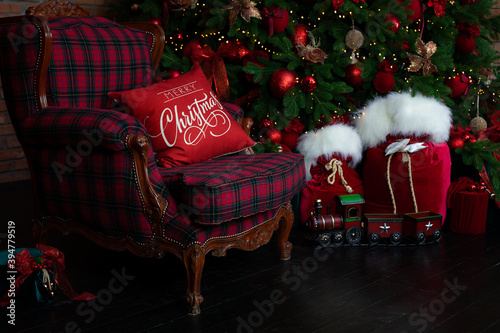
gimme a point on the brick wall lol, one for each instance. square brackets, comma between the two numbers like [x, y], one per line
[13, 165]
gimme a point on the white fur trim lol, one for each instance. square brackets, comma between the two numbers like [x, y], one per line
[338, 139]
[402, 114]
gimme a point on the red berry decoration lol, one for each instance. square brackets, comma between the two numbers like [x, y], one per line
[301, 34]
[275, 19]
[308, 83]
[353, 76]
[395, 22]
[281, 81]
[459, 85]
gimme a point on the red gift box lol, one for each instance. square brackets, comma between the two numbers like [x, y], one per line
[469, 207]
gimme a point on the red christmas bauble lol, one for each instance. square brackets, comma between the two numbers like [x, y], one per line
[395, 22]
[465, 44]
[156, 20]
[281, 81]
[308, 83]
[353, 75]
[273, 135]
[456, 142]
[275, 19]
[173, 73]
[416, 7]
[384, 82]
[458, 85]
[301, 34]
[234, 50]
[190, 47]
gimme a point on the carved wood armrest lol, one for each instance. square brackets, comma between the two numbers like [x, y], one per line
[57, 8]
[153, 203]
[246, 124]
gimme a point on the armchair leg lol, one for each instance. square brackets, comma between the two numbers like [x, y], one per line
[194, 259]
[285, 226]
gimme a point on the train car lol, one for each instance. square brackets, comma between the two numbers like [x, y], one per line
[345, 223]
[348, 223]
[350, 207]
[420, 225]
[383, 226]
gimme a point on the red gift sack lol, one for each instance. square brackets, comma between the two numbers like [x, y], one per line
[408, 165]
[406, 182]
[329, 155]
[330, 177]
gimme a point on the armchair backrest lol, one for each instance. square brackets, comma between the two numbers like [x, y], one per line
[73, 61]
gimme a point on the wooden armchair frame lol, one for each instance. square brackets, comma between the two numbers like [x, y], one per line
[154, 205]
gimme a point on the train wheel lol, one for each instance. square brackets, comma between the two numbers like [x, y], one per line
[337, 237]
[324, 239]
[421, 237]
[374, 238]
[353, 235]
[437, 235]
[396, 238]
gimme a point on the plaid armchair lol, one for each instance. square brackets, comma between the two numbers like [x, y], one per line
[92, 167]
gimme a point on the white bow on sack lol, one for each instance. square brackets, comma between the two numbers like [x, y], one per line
[406, 149]
[403, 147]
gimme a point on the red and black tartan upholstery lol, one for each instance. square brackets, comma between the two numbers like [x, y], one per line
[86, 157]
[96, 56]
[230, 187]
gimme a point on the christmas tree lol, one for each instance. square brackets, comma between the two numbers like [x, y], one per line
[297, 65]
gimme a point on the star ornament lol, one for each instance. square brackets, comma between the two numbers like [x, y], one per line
[385, 228]
[423, 61]
[245, 8]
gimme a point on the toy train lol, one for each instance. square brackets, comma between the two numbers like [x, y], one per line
[349, 224]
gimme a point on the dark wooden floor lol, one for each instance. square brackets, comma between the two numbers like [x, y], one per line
[453, 286]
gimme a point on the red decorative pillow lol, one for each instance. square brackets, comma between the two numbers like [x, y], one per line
[185, 121]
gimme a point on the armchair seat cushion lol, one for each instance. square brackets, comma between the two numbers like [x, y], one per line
[232, 187]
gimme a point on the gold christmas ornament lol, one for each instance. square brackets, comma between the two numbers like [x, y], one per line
[425, 50]
[354, 39]
[477, 123]
[245, 8]
[181, 4]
